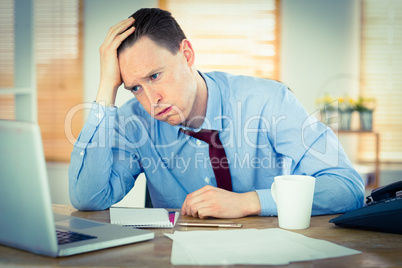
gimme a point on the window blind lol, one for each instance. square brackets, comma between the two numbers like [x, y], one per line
[59, 69]
[381, 70]
[58, 51]
[235, 36]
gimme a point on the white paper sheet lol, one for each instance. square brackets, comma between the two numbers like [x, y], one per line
[250, 246]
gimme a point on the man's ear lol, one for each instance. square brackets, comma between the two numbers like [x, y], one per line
[187, 50]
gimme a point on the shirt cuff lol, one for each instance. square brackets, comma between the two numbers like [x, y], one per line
[268, 205]
[99, 113]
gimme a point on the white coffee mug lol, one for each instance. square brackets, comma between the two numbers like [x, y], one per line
[293, 195]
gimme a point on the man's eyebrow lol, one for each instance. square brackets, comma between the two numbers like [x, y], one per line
[153, 71]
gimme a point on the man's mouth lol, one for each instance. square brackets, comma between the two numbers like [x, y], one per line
[164, 111]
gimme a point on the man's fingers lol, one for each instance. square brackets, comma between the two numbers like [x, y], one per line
[197, 201]
[205, 212]
[191, 199]
[118, 29]
[193, 209]
[120, 38]
[191, 206]
[184, 207]
[188, 201]
[116, 35]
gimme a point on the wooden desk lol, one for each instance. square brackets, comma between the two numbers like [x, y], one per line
[379, 249]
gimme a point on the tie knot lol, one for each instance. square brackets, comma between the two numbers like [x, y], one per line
[208, 135]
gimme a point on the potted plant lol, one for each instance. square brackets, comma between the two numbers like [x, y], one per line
[328, 108]
[365, 107]
[346, 108]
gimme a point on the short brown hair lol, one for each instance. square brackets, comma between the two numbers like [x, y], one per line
[158, 25]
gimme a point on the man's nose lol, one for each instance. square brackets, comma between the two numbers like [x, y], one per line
[154, 95]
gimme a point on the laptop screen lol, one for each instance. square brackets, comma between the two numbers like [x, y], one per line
[25, 203]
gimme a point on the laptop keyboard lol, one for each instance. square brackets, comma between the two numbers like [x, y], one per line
[64, 237]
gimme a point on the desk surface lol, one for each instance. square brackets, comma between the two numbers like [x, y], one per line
[379, 249]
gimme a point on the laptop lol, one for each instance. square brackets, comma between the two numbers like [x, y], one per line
[27, 220]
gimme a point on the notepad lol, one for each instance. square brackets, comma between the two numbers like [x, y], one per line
[143, 217]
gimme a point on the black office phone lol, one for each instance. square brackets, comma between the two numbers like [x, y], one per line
[382, 212]
[385, 192]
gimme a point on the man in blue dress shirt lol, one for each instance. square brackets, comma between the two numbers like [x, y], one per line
[264, 129]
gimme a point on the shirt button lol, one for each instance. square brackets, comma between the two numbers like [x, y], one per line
[82, 153]
[198, 142]
[207, 180]
[98, 115]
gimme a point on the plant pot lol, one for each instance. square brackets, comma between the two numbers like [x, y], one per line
[328, 116]
[366, 120]
[345, 118]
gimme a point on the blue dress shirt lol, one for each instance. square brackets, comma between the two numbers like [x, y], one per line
[265, 132]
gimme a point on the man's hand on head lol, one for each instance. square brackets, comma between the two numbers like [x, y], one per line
[110, 77]
[215, 202]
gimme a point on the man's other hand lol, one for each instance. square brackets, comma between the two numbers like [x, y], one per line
[215, 202]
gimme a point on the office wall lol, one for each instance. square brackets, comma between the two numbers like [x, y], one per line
[320, 52]
[320, 48]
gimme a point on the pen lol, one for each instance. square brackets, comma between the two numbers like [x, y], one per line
[199, 224]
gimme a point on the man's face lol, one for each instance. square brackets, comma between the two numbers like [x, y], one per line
[163, 83]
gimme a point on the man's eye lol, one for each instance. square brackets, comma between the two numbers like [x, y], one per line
[136, 88]
[154, 76]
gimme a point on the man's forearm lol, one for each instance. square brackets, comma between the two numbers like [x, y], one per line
[106, 96]
[337, 193]
[92, 169]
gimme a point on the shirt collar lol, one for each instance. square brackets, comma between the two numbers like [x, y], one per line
[213, 118]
